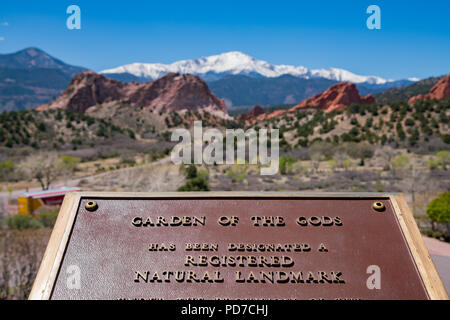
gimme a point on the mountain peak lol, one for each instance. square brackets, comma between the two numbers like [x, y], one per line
[32, 51]
[217, 66]
[234, 55]
[32, 58]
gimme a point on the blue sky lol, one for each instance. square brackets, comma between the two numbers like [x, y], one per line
[414, 40]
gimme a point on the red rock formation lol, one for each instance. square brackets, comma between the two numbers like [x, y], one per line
[176, 92]
[440, 90]
[267, 116]
[336, 97]
[256, 111]
[85, 90]
[170, 93]
[368, 99]
[415, 98]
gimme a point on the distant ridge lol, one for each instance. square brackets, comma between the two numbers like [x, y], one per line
[407, 92]
[245, 81]
[34, 58]
[31, 77]
[237, 63]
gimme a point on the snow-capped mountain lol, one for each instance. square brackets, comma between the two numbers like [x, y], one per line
[237, 63]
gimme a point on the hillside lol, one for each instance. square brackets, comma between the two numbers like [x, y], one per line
[56, 129]
[340, 114]
[423, 127]
[34, 58]
[405, 93]
[31, 77]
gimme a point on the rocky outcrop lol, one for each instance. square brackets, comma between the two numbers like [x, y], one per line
[176, 92]
[336, 97]
[86, 90]
[256, 111]
[440, 90]
[412, 100]
[172, 92]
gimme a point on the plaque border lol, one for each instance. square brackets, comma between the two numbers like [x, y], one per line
[53, 256]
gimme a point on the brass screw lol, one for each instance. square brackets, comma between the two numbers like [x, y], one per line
[378, 206]
[91, 206]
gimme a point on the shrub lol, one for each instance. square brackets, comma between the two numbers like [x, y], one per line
[70, 162]
[197, 180]
[48, 218]
[203, 173]
[354, 122]
[400, 162]
[433, 164]
[361, 150]
[409, 122]
[191, 171]
[195, 184]
[238, 172]
[41, 127]
[446, 138]
[347, 163]
[333, 164]
[6, 170]
[285, 164]
[20, 222]
[439, 209]
[443, 157]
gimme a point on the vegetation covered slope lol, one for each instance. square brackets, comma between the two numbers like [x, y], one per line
[405, 93]
[422, 126]
[55, 129]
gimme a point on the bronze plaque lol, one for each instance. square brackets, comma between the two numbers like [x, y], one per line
[233, 246]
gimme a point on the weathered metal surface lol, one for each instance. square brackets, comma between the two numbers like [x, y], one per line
[108, 256]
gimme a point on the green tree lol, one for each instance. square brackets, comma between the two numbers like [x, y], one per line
[439, 209]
